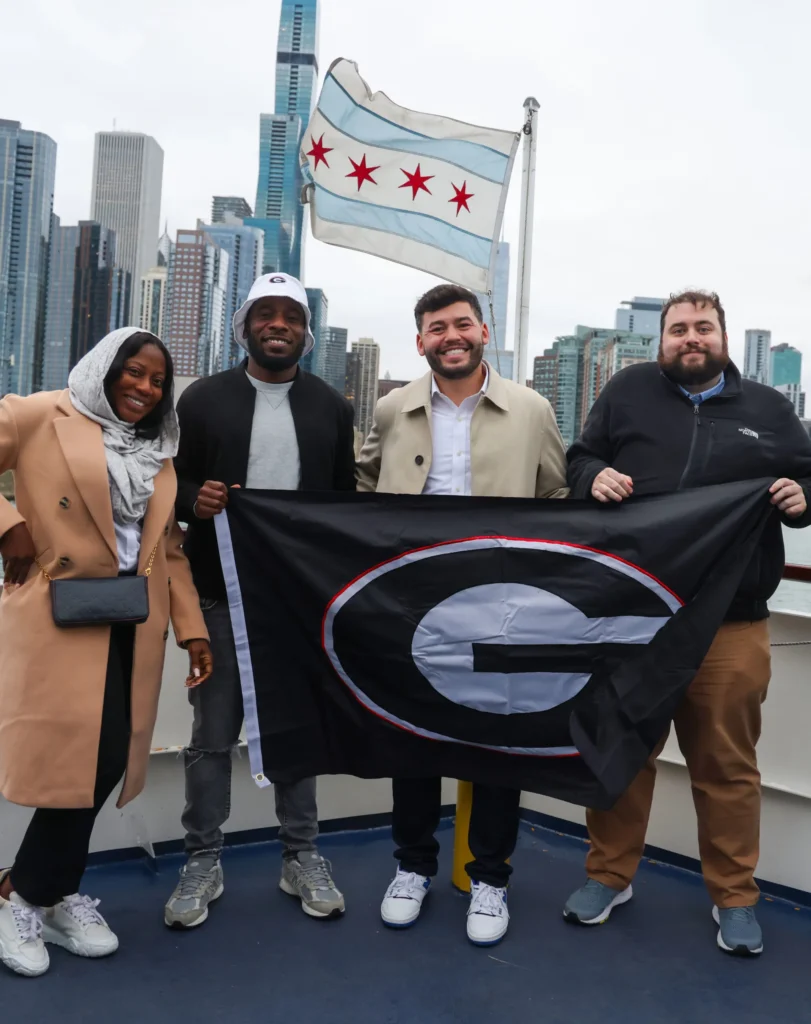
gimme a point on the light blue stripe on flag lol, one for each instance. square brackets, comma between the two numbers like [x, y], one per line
[420, 227]
[361, 124]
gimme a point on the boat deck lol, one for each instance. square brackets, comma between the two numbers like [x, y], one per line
[259, 958]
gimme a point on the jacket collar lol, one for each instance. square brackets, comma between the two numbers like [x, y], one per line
[732, 383]
[420, 396]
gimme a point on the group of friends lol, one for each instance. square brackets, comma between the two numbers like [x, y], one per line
[106, 470]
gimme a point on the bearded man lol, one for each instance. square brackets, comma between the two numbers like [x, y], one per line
[265, 424]
[689, 420]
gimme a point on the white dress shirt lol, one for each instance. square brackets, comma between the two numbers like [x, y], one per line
[450, 429]
[128, 542]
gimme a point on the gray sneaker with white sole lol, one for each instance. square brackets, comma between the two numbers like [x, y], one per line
[201, 882]
[307, 876]
[593, 902]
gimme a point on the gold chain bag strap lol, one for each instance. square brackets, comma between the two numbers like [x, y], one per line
[100, 601]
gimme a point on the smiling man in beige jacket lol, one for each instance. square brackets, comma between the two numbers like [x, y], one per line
[459, 430]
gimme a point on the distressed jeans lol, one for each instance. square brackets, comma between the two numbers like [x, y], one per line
[218, 716]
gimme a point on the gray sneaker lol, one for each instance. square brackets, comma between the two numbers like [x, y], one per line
[593, 903]
[307, 876]
[738, 930]
[201, 882]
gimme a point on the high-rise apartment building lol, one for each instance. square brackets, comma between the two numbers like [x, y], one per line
[498, 354]
[757, 356]
[278, 209]
[59, 308]
[152, 306]
[244, 247]
[27, 172]
[101, 290]
[545, 376]
[368, 369]
[236, 206]
[335, 358]
[126, 197]
[795, 395]
[786, 365]
[195, 318]
[316, 361]
[640, 315]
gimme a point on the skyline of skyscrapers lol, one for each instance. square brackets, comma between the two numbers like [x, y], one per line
[27, 176]
[278, 209]
[126, 196]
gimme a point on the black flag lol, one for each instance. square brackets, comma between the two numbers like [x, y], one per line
[537, 644]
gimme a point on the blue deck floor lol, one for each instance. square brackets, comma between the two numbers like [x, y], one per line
[260, 959]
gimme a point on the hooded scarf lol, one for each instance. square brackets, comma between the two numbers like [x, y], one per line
[132, 462]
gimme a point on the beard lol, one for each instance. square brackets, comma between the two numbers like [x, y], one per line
[475, 356]
[689, 376]
[275, 363]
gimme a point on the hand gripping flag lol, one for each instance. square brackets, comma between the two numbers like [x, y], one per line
[418, 189]
[542, 645]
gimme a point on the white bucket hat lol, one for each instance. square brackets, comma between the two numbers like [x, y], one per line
[276, 285]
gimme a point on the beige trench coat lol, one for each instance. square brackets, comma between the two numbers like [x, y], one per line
[515, 446]
[51, 679]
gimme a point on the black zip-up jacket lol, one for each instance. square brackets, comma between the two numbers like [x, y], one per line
[216, 421]
[643, 425]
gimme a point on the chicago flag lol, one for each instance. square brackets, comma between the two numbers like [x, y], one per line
[419, 189]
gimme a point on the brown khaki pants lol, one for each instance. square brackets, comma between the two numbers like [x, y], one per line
[717, 726]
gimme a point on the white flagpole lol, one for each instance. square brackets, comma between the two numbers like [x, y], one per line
[531, 108]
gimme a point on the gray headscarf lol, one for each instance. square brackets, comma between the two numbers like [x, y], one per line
[132, 462]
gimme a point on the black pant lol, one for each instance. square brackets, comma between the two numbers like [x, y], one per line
[492, 836]
[53, 855]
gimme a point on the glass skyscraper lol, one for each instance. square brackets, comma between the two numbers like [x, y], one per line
[278, 209]
[27, 172]
[315, 361]
[244, 247]
[59, 311]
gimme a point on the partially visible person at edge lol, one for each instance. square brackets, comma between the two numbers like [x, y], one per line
[265, 424]
[689, 420]
[95, 492]
[461, 429]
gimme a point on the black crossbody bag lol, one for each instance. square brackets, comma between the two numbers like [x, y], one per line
[101, 601]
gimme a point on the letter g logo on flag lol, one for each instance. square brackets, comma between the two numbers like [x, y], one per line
[489, 640]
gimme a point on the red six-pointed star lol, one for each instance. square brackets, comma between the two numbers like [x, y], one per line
[362, 172]
[416, 181]
[461, 197]
[319, 151]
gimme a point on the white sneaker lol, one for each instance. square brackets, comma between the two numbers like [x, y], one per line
[403, 900]
[78, 927]
[21, 945]
[487, 915]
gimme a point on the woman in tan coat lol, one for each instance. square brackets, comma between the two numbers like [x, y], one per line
[95, 493]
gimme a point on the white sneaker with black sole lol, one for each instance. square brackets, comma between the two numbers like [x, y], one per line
[76, 925]
[402, 903]
[21, 947]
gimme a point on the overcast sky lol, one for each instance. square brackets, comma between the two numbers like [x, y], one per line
[674, 145]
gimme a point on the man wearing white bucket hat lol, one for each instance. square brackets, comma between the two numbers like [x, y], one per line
[265, 424]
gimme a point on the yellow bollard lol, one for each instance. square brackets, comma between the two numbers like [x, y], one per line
[461, 850]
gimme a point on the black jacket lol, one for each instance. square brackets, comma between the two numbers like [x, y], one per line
[216, 419]
[643, 425]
